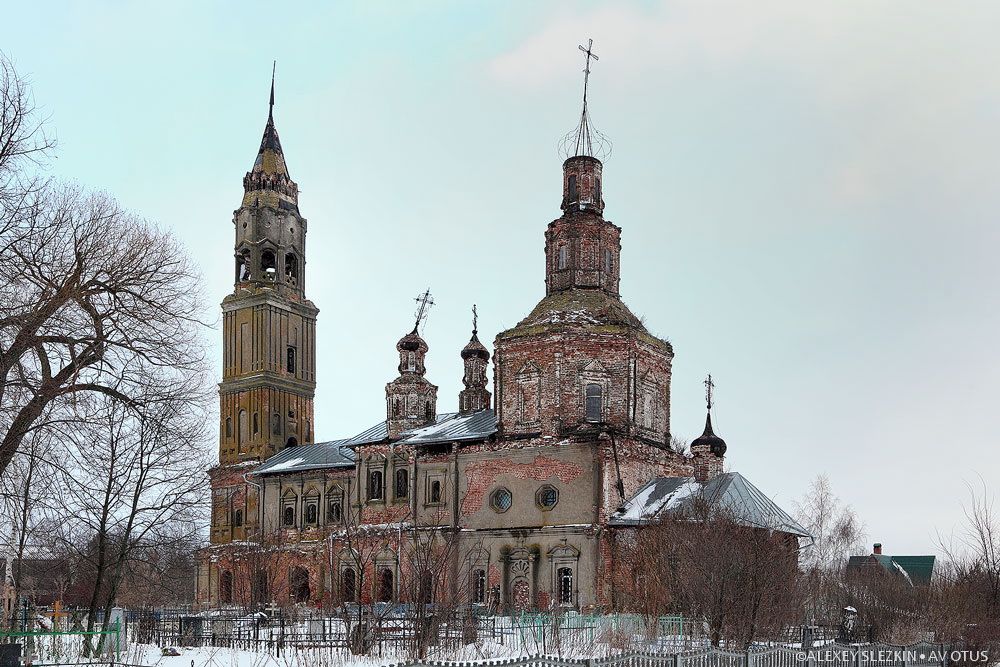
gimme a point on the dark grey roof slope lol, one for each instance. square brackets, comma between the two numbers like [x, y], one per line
[454, 427]
[332, 454]
[731, 491]
[376, 433]
[447, 427]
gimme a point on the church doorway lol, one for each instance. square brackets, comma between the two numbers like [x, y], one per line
[298, 584]
[385, 585]
[520, 595]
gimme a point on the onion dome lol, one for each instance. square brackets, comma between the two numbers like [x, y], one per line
[475, 349]
[411, 342]
[708, 440]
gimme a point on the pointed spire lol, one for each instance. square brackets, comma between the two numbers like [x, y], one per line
[270, 108]
[268, 182]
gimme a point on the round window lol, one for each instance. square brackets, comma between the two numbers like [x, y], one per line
[501, 500]
[547, 497]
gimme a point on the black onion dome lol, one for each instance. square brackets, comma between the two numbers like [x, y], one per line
[475, 349]
[708, 439]
[411, 342]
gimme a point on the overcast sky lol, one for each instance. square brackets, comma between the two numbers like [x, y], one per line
[806, 193]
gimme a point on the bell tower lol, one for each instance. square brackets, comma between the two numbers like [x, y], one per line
[269, 326]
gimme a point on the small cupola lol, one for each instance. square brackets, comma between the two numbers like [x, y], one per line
[411, 401]
[412, 352]
[475, 358]
[708, 450]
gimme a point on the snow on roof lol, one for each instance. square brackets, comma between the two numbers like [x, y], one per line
[903, 571]
[447, 427]
[730, 491]
[454, 426]
[320, 455]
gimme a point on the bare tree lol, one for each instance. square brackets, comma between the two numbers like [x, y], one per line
[836, 533]
[95, 301]
[133, 484]
[966, 593]
[26, 494]
[743, 581]
[24, 143]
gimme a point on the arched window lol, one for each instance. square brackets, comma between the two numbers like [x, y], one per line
[256, 424]
[334, 509]
[292, 442]
[229, 427]
[607, 260]
[564, 575]
[276, 424]
[573, 194]
[402, 482]
[375, 485]
[291, 269]
[290, 360]
[288, 516]
[479, 586]
[385, 585]
[237, 518]
[308, 430]
[411, 361]
[312, 510]
[226, 588]
[243, 266]
[268, 264]
[243, 437]
[348, 585]
[435, 491]
[594, 402]
[429, 410]
[597, 189]
[563, 256]
[397, 408]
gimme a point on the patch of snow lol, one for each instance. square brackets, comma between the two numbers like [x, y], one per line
[682, 493]
[284, 465]
[903, 572]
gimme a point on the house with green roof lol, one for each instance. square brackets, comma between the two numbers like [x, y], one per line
[914, 570]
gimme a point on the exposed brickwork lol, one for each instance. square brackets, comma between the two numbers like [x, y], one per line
[481, 474]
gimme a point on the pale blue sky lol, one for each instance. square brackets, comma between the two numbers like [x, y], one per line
[806, 192]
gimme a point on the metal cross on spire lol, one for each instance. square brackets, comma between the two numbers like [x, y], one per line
[475, 320]
[709, 389]
[585, 139]
[424, 303]
[586, 70]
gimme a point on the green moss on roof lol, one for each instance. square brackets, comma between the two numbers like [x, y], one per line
[591, 310]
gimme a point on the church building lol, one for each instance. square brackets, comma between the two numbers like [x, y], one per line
[528, 479]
